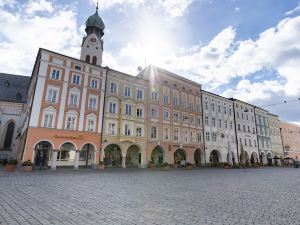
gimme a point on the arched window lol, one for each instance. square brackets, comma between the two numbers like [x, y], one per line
[9, 135]
[94, 60]
[88, 58]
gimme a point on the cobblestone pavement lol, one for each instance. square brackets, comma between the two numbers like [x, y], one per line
[133, 196]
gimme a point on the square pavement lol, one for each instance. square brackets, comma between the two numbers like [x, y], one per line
[142, 196]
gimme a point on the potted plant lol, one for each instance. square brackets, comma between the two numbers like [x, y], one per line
[101, 165]
[189, 166]
[151, 164]
[11, 165]
[166, 166]
[27, 166]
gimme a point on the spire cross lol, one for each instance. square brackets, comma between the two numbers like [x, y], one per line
[97, 7]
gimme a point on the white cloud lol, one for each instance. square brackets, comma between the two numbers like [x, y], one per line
[174, 8]
[22, 33]
[293, 11]
[9, 3]
[34, 6]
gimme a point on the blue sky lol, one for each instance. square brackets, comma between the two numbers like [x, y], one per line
[236, 48]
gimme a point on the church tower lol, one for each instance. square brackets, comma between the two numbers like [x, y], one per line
[92, 44]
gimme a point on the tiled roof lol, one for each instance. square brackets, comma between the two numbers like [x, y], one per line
[13, 88]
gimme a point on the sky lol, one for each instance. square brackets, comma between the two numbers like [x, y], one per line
[246, 49]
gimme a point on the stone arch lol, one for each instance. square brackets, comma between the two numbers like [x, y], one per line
[66, 153]
[215, 157]
[42, 153]
[254, 158]
[112, 155]
[180, 157]
[133, 156]
[10, 127]
[270, 159]
[87, 154]
[158, 155]
[199, 157]
[263, 158]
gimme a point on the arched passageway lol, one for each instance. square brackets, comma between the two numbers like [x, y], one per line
[133, 156]
[180, 157]
[270, 159]
[42, 153]
[198, 158]
[87, 154]
[66, 153]
[214, 157]
[9, 135]
[157, 155]
[112, 156]
[254, 158]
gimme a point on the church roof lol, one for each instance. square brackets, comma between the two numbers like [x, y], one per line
[13, 88]
[95, 21]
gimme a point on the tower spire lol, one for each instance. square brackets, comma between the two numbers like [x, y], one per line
[97, 7]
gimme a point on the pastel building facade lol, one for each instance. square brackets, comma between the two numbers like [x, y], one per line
[290, 134]
[124, 141]
[174, 121]
[263, 136]
[246, 136]
[219, 129]
[275, 135]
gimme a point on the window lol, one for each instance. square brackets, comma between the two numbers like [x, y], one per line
[127, 91]
[245, 142]
[248, 129]
[192, 120]
[55, 74]
[239, 126]
[73, 101]
[220, 123]
[225, 124]
[207, 136]
[244, 128]
[127, 129]
[91, 125]
[153, 132]
[154, 113]
[166, 95]
[224, 110]
[93, 103]
[94, 62]
[166, 133]
[112, 107]
[77, 67]
[230, 111]
[199, 137]
[184, 100]
[128, 109]
[250, 144]
[166, 115]
[94, 83]
[206, 120]
[247, 118]
[176, 134]
[113, 88]
[255, 143]
[48, 120]
[71, 122]
[219, 108]
[175, 98]
[88, 59]
[52, 95]
[139, 94]
[175, 117]
[112, 128]
[185, 119]
[213, 122]
[186, 136]
[231, 125]
[76, 79]
[139, 132]
[191, 98]
[199, 121]
[154, 96]
[214, 137]
[213, 107]
[206, 105]
[139, 112]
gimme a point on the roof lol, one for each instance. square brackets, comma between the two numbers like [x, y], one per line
[13, 88]
[95, 21]
[218, 96]
[160, 70]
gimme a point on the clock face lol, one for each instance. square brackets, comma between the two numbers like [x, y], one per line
[93, 41]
